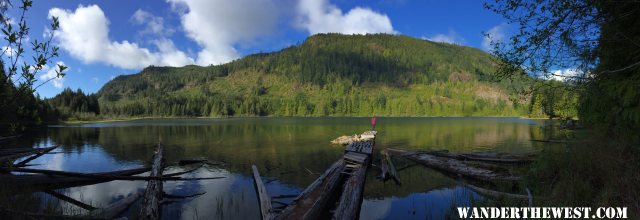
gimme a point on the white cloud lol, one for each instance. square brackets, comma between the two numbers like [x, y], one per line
[452, 37]
[153, 24]
[84, 34]
[564, 74]
[493, 35]
[320, 16]
[95, 79]
[217, 25]
[50, 74]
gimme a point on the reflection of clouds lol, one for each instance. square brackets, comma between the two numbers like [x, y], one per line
[435, 204]
[375, 209]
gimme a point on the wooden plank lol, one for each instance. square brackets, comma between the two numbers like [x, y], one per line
[266, 209]
[153, 194]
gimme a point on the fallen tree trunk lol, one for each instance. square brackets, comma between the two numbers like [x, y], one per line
[116, 208]
[266, 210]
[7, 158]
[41, 182]
[153, 194]
[495, 158]
[25, 161]
[388, 168]
[351, 197]
[108, 177]
[453, 166]
[315, 197]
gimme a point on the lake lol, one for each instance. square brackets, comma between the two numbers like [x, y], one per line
[289, 152]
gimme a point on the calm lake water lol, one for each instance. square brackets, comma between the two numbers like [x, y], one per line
[289, 152]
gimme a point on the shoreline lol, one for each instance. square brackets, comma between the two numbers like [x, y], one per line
[76, 122]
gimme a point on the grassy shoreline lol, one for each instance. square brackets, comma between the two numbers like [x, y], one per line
[74, 122]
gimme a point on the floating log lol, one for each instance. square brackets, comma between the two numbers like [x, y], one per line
[25, 161]
[314, 199]
[351, 198]
[11, 157]
[266, 210]
[495, 194]
[68, 199]
[486, 157]
[453, 166]
[39, 182]
[153, 194]
[118, 207]
[388, 169]
[107, 177]
[2, 139]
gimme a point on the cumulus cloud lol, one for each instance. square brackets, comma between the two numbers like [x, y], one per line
[50, 74]
[217, 25]
[564, 74]
[494, 35]
[452, 37]
[320, 16]
[84, 34]
[153, 24]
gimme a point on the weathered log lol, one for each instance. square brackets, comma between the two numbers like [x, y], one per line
[314, 199]
[496, 194]
[7, 158]
[388, 168]
[68, 199]
[25, 161]
[266, 210]
[40, 182]
[351, 198]
[2, 139]
[153, 194]
[108, 177]
[453, 166]
[118, 207]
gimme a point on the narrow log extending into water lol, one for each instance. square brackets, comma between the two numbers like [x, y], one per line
[153, 194]
[118, 207]
[17, 155]
[315, 197]
[25, 161]
[109, 177]
[486, 157]
[453, 166]
[351, 197]
[40, 182]
[266, 210]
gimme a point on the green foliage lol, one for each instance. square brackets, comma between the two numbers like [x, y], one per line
[19, 108]
[75, 105]
[600, 38]
[327, 75]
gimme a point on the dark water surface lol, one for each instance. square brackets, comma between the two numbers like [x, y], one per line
[289, 152]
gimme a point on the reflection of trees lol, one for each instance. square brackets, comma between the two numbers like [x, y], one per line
[285, 148]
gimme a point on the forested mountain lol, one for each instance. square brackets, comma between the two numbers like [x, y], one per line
[75, 105]
[328, 74]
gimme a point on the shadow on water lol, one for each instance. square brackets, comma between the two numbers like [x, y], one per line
[289, 152]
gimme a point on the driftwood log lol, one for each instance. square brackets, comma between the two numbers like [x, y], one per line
[351, 198]
[41, 182]
[388, 169]
[454, 166]
[266, 210]
[310, 203]
[12, 156]
[486, 157]
[153, 194]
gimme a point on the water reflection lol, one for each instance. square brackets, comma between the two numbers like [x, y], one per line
[285, 150]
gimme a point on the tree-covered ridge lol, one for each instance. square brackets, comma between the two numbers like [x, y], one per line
[328, 74]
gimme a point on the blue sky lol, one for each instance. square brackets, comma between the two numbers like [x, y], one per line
[103, 39]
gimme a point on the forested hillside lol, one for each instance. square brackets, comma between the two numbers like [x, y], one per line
[329, 75]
